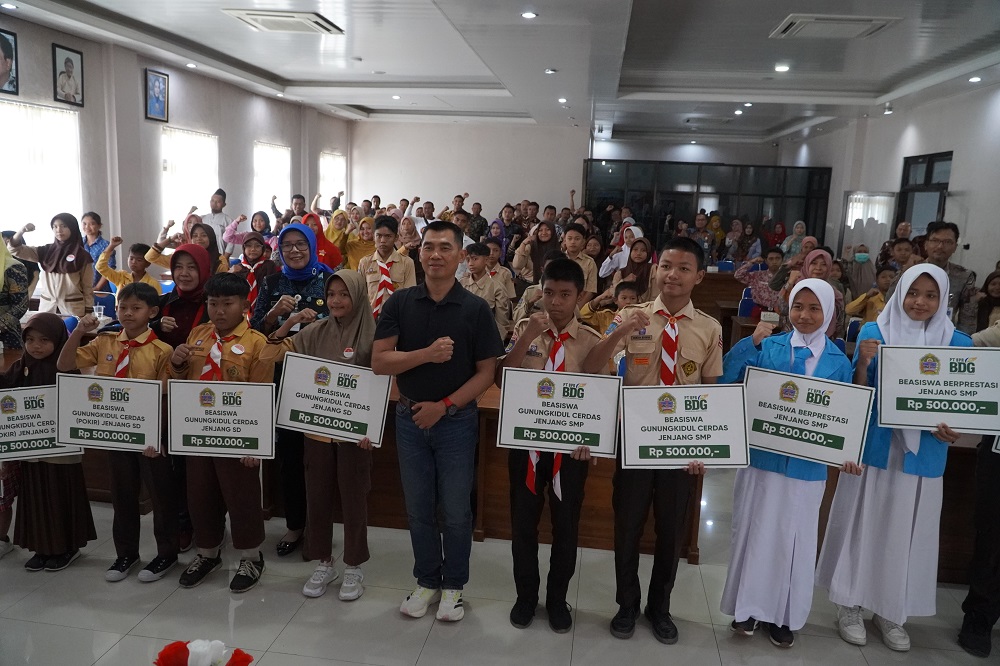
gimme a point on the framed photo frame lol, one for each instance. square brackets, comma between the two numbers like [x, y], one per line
[8, 63]
[67, 75]
[157, 97]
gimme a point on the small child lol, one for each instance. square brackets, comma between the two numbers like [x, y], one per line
[776, 500]
[498, 271]
[259, 223]
[551, 340]
[137, 266]
[598, 317]
[869, 305]
[218, 485]
[478, 281]
[53, 512]
[134, 353]
[254, 264]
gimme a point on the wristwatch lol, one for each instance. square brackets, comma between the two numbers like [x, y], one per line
[450, 407]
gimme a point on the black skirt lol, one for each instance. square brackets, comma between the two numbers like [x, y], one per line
[53, 512]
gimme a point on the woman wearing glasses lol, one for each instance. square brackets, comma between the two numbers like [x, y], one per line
[299, 286]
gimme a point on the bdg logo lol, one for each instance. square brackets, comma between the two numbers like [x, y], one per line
[789, 392]
[95, 393]
[546, 389]
[118, 394]
[962, 366]
[696, 403]
[573, 391]
[206, 398]
[34, 402]
[666, 404]
[930, 364]
[232, 398]
[347, 381]
[322, 376]
[818, 397]
[8, 405]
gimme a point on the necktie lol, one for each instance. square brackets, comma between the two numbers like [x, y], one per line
[668, 352]
[212, 370]
[799, 362]
[384, 286]
[121, 369]
[252, 280]
[493, 273]
[556, 363]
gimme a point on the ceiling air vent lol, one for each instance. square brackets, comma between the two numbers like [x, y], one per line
[828, 26]
[308, 23]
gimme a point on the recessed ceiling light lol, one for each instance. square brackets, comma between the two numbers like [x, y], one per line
[781, 68]
[549, 70]
[7, 5]
[709, 522]
[603, 163]
[281, 94]
[975, 79]
[747, 103]
[694, 142]
[738, 112]
[191, 65]
[529, 15]
[562, 100]
[395, 96]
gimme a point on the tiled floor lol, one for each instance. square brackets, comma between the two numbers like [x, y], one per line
[75, 617]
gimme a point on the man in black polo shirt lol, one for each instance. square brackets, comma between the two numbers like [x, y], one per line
[441, 343]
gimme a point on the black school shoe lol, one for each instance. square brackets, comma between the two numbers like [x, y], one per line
[157, 568]
[121, 568]
[560, 617]
[199, 568]
[744, 628]
[60, 562]
[522, 614]
[975, 638]
[248, 575]
[285, 548]
[664, 629]
[37, 562]
[781, 636]
[623, 623]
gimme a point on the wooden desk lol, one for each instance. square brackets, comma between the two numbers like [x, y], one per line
[727, 310]
[741, 328]
[713, 288]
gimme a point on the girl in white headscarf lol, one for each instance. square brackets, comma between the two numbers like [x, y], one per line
[618, 258]
[776, 500]
[880, 552]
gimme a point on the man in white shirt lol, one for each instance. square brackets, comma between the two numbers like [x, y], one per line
[219, 221]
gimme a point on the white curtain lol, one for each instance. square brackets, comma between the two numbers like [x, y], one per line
[272, 176]
[332, 177]
[868, 220]
[41, 172]
[190, 171]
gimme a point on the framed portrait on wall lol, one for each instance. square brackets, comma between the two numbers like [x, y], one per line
[8, 62]
[67, 75]
[157, 95]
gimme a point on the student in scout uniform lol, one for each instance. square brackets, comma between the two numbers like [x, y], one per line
[880, 551]
[386, 270]
[254, 266]
[478, 281]
[134, 353]
[531, 299]
[549, 340]
[497, 271]
[137, 266]
[595, 315]
[226, 349]
[346, 336]
[777, 499]
[574, 242]
[869, 304]
[666, 342]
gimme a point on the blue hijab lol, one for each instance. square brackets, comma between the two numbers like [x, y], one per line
[314, 267]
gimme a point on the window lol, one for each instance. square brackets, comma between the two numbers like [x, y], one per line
[924, 190]
[332, 176]
[272, 175]
[190, 171]
[42, 171]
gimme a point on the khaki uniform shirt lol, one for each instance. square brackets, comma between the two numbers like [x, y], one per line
[699, 346]
[244, 364]
[492, 292]
[582, 339]
[523, 310]
[402, 273]
[150, 361]
[122, 278]
[506, 280]
[598, 319]
[589, 272]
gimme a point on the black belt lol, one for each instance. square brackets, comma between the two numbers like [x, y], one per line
[406, 402]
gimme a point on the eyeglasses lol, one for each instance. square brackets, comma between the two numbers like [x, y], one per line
[940, 241]
[301, 246]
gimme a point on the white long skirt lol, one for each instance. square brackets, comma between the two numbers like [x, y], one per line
[773, 561]
[881, 546]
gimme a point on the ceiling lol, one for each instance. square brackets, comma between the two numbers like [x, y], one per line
[638, 70]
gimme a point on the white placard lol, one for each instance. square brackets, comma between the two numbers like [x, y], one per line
[221, 419]
[109, 413]
[336, 400]
[920, 387]
[558, 411]
[28, 424]
[804, 417]
[666, 427]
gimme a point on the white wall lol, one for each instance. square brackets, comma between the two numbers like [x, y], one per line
[869, 156]
[493, 163]
[673, 151]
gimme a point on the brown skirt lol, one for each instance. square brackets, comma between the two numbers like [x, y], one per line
[53, 513]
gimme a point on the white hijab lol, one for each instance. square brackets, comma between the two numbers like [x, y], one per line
[618, 261]
[816, 341]
[898, 329]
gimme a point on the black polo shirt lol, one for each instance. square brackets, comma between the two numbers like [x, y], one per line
[418, 321]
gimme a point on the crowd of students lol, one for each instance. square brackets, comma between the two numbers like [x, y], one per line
[429, 299]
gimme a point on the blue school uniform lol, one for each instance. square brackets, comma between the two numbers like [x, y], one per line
[930, 459]
[775, 353]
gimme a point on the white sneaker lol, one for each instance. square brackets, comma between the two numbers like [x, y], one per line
[415, 605]
[851, 625]
[352, 587]
[321, 577]
[450, 608]
[5, 547]
[893, 635]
